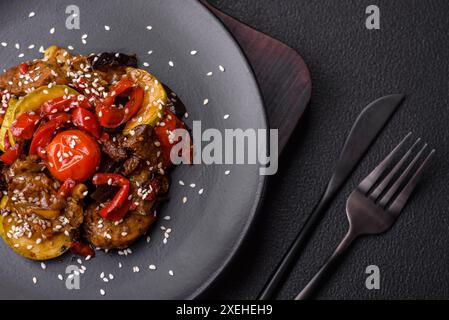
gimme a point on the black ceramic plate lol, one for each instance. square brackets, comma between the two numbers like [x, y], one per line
[208, 229]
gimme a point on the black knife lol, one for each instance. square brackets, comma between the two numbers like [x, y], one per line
[365, 130]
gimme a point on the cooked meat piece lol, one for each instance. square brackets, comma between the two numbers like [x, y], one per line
[141, 186]
[141, 144]
[31, 192]
[40, 73]
[114, 150]
[107, 234]
[130, 165]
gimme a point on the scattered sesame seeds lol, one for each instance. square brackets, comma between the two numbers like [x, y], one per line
[4, 44]
[192, 185]
[149, 27]
[201, 191]
[205, 102]
[210, 74]
[41, 49]
[226, 116]
[60, 277]
[150, 52]
[52, 30]
[184, 200]
[120, 265]
[170, 272]
[31, 47]
[102, 292]
[34, 280]
[17, 46]
[227, 172]
[146, 64]
[43, 266]
[31, 14]
[193, 52]
[152, 267]
[167, 218]
[171, 64]
[107, 28]
[136, 269]
[221, 68]
[181, 182]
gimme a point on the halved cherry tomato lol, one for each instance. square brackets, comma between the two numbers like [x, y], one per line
[113, 117]
[171, 123]
[45, 133]
[86, 120]
[25, 126]
[64, 104]
[73, 154]
[11, 155]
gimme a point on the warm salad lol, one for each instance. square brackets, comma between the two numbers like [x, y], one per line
[85, 147]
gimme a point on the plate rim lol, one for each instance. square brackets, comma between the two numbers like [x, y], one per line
[261, 188]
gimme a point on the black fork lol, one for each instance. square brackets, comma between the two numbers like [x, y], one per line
[374, 206]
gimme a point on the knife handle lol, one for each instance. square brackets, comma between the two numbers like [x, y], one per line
[278, 276]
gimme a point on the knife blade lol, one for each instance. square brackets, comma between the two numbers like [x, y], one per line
[364, 132]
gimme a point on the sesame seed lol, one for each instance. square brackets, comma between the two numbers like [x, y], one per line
[32, 14]
[146, 64]
[181, 182]
[34, 280]
[221, 68]
[4, 44]
[71, 47]
[43, 266]
[31, 46]
[136, 269]
[171, 64]
[149, 28]
[17, 46]
[201, 191]
[152, 267]
[226, 116]
[227, 172]
[209, 74]
[193, 52]
[205, 102]
[107, 28]
[60, 277]
[170, 272]
[102, 292]
[150, 52]
[184, 200]
[192, 185]
[52, 30]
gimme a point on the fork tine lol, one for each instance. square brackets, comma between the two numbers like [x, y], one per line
[400, 201]
[386, 181]
[367, 183]
[400, 181]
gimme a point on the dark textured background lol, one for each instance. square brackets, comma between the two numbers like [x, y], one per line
[350, 67]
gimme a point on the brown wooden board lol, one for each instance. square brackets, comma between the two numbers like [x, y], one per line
[282, 74]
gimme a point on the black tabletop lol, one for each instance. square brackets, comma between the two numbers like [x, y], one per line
[351, 66]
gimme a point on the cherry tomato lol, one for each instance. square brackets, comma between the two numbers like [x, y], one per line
[73, 154]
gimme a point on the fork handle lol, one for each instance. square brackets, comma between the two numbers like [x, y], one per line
[330, 264]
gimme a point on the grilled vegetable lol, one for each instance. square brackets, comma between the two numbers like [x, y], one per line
[30, 103]
[49, 248]
[154, 100]
[109, 59]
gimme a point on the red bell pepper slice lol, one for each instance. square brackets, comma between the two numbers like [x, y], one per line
[11, 155]
[25, 126]
[67, 187]
[45, 133]
[64, 104]
[113, 117]
[86, 120]
[23, 68]
[82, 249]
[171, 123]
[117, 208]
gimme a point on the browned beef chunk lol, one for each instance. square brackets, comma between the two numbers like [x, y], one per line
[130, 165]
[40, 73]
[107, 234]
[114, 150]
